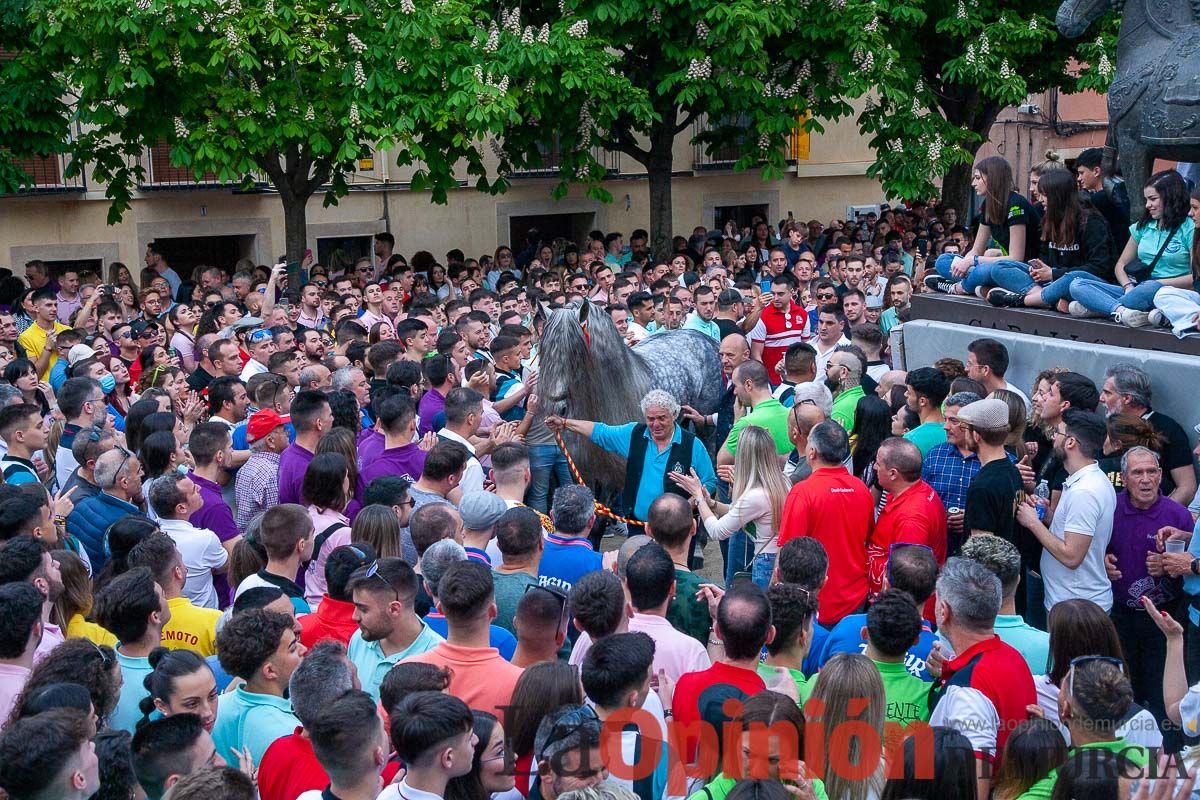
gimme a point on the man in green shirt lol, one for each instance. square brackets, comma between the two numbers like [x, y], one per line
[893, 626]
[843, 374]
[793, 609]
[925, 390]
[752, 387]
[671, 524]
[1093, 700]
[519, 537]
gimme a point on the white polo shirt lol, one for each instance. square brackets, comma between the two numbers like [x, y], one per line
[1087, 506]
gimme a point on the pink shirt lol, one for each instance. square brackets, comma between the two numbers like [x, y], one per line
[52, 637]
[675, 653]
[314, 578]
[12, 681]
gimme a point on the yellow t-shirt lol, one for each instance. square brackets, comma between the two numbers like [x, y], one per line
[191, 627]
[80, 628]
[34, 342]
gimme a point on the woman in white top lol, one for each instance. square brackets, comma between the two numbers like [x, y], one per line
[759, 491]
[1081, 628]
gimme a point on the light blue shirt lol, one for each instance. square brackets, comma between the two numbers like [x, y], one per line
[372, 664]
[251, 720]
[1031, 643]
[1176, 258]
[127, 714]
[615, 439]
[1191, 583]
[694, 323]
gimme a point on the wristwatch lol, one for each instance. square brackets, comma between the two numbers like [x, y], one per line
[1196, 566]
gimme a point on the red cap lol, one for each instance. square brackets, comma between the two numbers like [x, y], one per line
[261, 424]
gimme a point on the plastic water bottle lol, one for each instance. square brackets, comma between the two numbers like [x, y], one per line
[1042, 493]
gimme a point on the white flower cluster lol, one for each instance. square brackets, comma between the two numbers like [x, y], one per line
[873, 25]
[1005, 70]
[656, 16]
[360, 75]
[919, 87]
[234, 8]
[805, 71]
[310, 114]
[181, 130]
[701, 30]
[811, 95]
[579, 29]
[1104, 66]
[985, 46]
[543, 36]
[700, 69]
[401, 64]
[231, 36]
[869, 61]
[270, 108]
[1033, 24]
[764, 141]
[527, 35]
[935, 149]
[895, 146]
[143, 5]
[478, 72]
[51, 20]
[961, 13]
[269, 7]
[970, 55]
[581, 172]
[917, 108]
[123, 56]
[408, 6]
[837, 4]
[356, 44]
[355, 117]
[493, 40]
[511, 20]
[435, 42]
[176, 58]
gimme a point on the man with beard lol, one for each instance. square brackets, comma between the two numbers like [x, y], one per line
[899, 294]
[843, 376]
[997, 488]
[312, 346]
[24, 559]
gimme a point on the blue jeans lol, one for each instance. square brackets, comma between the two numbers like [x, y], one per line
[546, 461]
[1061, 288]
[761, 569]
[1012, 275]
[981, 275]
[1104, 298]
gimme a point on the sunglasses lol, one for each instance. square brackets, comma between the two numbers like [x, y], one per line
[563, 729]
[373, 572]
[259, 335]
[557, 594]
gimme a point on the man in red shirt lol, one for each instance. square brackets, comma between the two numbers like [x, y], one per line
[741, 626]
[334, 617]
[289, 767]
[985, 685]
[836, 509]
[781, 325]
[914, 513]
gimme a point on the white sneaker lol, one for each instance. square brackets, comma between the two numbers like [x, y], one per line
[981, 292]
[1158, 319]
[1131, 318]
[1079, 310]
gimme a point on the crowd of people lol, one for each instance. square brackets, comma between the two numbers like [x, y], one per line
[325, 541]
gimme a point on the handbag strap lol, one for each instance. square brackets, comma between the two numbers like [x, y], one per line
[1163, 248]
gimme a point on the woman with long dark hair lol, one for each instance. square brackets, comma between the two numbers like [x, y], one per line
[488, 775]
[1179, 307]
[1075, 243]
[1008, 226]
[326, 490]
[872, 424]
[1162, 241]
[22, 373]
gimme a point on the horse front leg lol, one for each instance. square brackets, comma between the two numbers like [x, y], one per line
[1134, 156]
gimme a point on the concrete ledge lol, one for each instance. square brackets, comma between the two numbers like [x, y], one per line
[1049, 324]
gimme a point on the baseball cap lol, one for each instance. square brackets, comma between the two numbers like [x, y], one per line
[481, 510]
[986, 415]
[261, 423]
[79, 352]
[140, 326]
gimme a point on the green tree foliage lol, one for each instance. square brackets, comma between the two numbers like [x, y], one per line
[297, 90]
[748, 69]
[946, 70]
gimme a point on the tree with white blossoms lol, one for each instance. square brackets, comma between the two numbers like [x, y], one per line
[298, 90]
[947, 68]
[750, 69]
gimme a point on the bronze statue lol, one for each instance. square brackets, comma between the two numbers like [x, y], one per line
[1154, 100]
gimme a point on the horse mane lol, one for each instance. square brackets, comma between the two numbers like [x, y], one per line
[593, 376]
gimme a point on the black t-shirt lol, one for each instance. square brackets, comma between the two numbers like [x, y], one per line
[1092, 250]
[1176, 453]
[1113, 204]
[1019, 212]
[992, 500]
[727, 327]
[199, 380]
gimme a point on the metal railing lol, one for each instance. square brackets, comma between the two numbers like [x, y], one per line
[552, 158]
[49, 175]
[159, 173]
[727, 154]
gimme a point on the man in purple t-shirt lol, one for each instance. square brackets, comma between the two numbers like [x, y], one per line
[1135, 568]
[211, 447]
[402, 454]
[311, 416]
[442, 376]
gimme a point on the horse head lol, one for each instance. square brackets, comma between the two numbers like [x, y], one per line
[1074, 16]
[585, 364]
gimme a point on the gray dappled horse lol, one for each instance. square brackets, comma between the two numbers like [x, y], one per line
[588, 372]
[1154, 100]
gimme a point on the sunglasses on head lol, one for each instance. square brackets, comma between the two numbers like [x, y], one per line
[254, 337]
